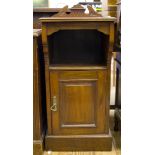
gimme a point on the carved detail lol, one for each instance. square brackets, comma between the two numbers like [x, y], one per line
[77, 11]
[92, 12]
[62, 12]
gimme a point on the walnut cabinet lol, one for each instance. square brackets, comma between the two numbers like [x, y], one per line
[77, 54]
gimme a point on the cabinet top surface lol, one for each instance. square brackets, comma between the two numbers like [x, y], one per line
[36, 32]
[77, 19]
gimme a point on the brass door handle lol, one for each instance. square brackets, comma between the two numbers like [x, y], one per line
[54, 104]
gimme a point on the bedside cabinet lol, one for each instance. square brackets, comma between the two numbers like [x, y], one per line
[77, 52]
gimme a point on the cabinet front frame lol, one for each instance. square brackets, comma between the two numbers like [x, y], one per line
[48, 28]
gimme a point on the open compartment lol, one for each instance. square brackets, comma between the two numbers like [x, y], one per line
[78, 48]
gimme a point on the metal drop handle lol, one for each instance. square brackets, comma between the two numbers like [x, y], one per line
[54, 104]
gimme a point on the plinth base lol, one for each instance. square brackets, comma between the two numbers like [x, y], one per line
[102, 142]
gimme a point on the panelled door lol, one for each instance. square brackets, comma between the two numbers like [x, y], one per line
[78, 100]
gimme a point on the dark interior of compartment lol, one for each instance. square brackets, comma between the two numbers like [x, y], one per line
[78, 47]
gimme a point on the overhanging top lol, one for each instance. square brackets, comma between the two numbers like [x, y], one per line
[77, 19]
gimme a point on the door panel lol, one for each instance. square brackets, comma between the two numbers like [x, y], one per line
[77, 103]
[80, 100]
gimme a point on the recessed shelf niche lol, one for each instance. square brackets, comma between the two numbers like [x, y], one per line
[78, 47]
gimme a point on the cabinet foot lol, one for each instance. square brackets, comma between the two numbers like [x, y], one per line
[37, 147]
